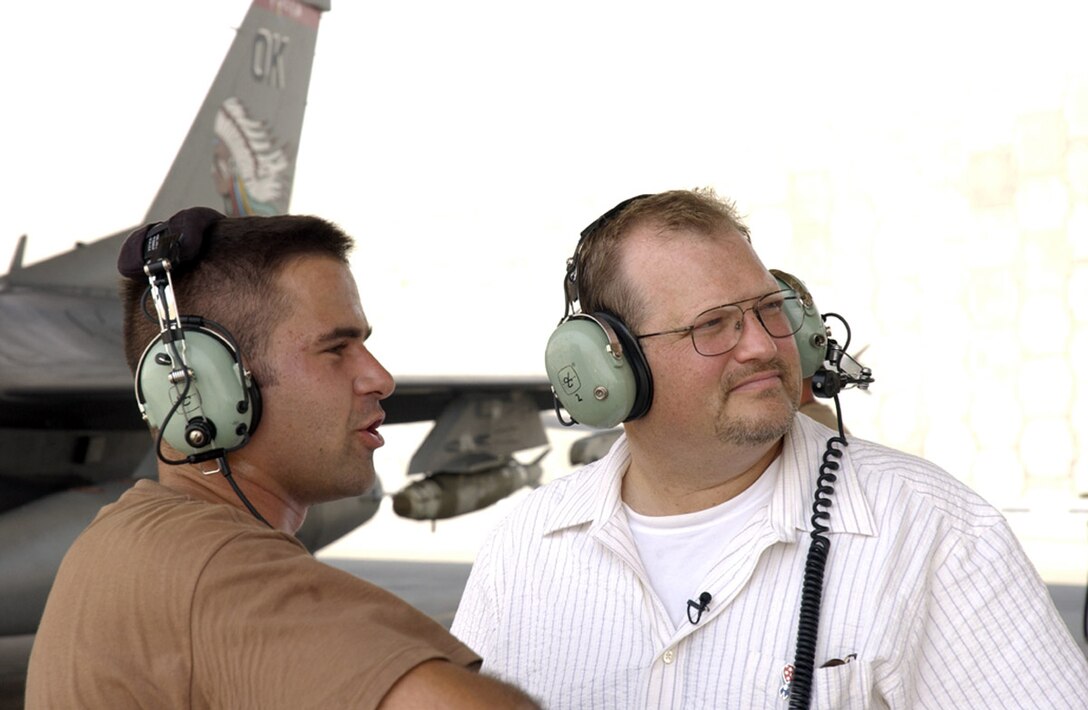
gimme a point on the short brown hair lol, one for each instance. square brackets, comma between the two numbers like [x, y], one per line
[233, 282]
[600, 284]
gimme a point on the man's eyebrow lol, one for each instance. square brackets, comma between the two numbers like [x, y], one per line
[349, 332]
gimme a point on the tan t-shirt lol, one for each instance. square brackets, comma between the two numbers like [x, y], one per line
[169, 602]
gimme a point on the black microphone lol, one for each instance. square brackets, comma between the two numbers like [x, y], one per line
[699, 606]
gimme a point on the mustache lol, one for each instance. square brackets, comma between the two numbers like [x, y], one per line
[777, 365]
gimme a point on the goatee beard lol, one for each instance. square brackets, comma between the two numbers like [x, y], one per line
[763, 427]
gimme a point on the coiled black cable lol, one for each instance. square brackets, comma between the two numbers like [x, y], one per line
[808, 623]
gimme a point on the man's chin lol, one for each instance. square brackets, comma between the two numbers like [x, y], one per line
[359, 484]
[756, 429]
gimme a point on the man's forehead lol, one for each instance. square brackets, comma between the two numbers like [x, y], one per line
[742, 274]
[322, 290]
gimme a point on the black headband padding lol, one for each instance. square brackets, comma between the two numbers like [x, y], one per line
[187, 227]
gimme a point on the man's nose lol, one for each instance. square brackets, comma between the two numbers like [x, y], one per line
[372, 377]
[755, 342]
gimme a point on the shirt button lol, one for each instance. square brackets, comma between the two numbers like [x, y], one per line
[669, 656]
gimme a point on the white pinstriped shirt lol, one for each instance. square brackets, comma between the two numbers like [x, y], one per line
[925, 583]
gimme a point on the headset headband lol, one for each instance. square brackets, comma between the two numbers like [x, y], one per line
[179, 240]
[570, 282]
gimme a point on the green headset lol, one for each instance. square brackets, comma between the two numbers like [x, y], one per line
[191, 384]
[597, 369]
[812, 337]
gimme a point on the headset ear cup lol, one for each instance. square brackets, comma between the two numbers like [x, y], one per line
[218, 400]
[592, 374]
[811, 338]
[636, 359]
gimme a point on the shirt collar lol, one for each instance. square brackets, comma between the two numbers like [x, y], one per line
[593, 493]
[791, 503]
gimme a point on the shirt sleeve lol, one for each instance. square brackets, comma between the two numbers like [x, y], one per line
[476, 621]
[274, 627]
[994, 637]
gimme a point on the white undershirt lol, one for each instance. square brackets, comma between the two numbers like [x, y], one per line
[678, 550]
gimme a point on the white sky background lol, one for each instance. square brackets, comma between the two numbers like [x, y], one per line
[466, 144]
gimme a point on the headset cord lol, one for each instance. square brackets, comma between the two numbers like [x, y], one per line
[173, 408]
[225, 468]
[808, 623]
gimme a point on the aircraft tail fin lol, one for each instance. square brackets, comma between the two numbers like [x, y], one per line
[17, 258]
[239, 155]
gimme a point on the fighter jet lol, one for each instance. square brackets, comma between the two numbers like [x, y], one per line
[71, 438]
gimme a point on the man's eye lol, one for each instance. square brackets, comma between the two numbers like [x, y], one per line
[337, 349]
[710, 324]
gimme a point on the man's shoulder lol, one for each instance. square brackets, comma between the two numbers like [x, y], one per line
[539, 511]
[150, 517]
[151, 504]
[559, 490]
[873, 459]
[892, 479]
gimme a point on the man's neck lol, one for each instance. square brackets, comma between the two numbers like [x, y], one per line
[191, 480]
[693, 481]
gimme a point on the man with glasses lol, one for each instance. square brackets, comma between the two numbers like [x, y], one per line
[669, 573]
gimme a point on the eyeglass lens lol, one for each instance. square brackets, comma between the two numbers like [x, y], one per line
[719, 330]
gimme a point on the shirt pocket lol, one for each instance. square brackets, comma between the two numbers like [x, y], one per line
[844, 687]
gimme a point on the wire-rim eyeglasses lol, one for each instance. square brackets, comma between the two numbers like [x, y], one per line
[718, 330]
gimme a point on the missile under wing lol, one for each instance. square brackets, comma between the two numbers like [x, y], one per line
[467, 461]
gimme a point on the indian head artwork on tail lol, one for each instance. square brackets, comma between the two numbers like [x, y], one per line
[251, 171]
